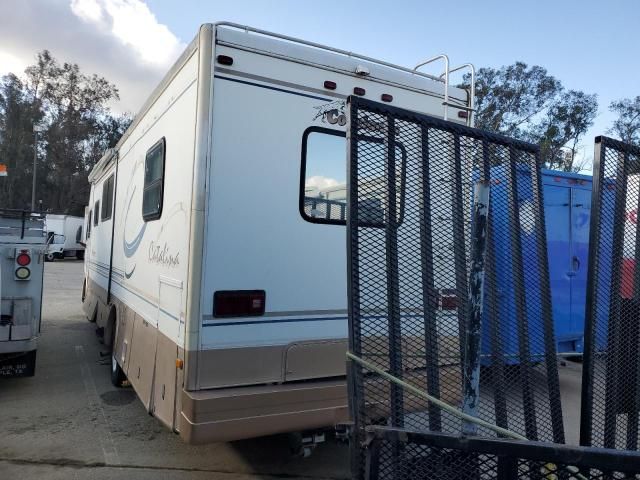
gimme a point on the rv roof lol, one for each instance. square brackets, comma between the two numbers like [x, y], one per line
[293, 48]
[330, 58]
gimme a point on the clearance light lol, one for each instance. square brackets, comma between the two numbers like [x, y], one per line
[238, 303]
[385, 97]
[328, 84]
[463, 114]
[22, 273]
[225, 60]
[359, 91]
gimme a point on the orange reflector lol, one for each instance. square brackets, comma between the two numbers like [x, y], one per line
[3, 170]
[179, 363]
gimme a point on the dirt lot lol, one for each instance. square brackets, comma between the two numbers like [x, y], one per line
[69, 422]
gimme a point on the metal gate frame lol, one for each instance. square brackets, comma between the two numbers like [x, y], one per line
[611, 371]
[536, 411]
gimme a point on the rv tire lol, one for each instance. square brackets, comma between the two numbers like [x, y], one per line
[50, 257]
[117, 374]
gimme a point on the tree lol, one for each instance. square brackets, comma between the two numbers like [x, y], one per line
[508, 99]
[627, 125]
[565, 122]
[78, 127]
[529, 104]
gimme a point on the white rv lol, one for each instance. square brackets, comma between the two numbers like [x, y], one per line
[213, 267]
[64, 237]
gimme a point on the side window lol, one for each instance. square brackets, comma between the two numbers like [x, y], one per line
[323, 183]
[107, 199]
[152, 195]
[89, 224]
[79, 234]
[96, 213]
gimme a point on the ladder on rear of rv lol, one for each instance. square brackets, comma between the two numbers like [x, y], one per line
[445, 77]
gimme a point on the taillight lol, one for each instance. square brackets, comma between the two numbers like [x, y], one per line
[238, 303]
[447, 299]
[22, 259]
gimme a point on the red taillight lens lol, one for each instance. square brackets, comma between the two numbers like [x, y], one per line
[23, 259]
[448, 299]
[238, 303]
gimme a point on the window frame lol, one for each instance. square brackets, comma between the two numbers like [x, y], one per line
[149, 217]
[96, 213]
[107, 194]
[303, 173]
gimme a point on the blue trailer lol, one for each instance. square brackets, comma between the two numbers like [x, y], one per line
[567, 207]
[567, 204]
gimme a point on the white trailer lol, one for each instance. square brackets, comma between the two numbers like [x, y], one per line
[64, 237]
[219, 286]
[22, 247]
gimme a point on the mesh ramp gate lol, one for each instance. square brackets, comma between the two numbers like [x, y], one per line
[611, 380]
[411, 180]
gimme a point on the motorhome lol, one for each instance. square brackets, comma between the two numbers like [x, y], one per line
[64, 237]
[215, 266]
[22, 248]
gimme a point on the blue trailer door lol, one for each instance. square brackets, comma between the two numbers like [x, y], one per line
[580, 215]
[557, 204]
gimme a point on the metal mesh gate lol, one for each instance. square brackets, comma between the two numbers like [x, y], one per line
[411, 180]
[611, 380]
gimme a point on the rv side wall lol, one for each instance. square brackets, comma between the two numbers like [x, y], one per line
[150, 256]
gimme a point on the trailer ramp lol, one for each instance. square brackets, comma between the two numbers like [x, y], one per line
[411, 296]
[611, 373]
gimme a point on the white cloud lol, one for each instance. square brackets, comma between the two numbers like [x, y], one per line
[321, 183]
[89, 10]
[120, 40]
[11, 63]
[133, 24]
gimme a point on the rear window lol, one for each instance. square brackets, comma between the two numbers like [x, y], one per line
[323, 184]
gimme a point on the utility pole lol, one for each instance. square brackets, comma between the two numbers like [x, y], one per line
[36, 129]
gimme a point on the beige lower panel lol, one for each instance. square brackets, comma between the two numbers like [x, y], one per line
[237, 413]
[164, 385]
[142, 359]
[240, 366]
[230, 367]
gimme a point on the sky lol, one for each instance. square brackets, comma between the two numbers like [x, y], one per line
[588, 45]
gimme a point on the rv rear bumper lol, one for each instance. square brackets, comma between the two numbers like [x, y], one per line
[246, 412]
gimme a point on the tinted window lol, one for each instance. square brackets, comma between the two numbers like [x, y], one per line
[152, 195]
[107, 199]
[96, 213]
